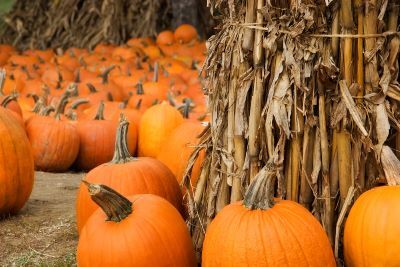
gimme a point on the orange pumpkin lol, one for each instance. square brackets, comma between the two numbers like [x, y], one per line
[156, 124]
[147, 231]
[55, 142]
[185, 33]
[372, 229]
[262, 231]
[16, 165]
[181, 143]
[129, 176]
[97, 140]
[165, 38]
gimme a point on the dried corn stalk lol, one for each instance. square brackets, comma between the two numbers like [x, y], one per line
[313, 85]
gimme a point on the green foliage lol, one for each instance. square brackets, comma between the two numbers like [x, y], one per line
[5, 5]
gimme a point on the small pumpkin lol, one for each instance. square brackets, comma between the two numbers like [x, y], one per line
[140, 230]
[129, 176]
[156, 124]
[55, 142]
[185, 33]
[263, 231]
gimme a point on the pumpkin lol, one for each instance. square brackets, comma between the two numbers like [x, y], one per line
[181, 143]
[165, 38]
[129, 176]
[263, 231]
[372, 229]
[185, 33]
[97, 139]
[55, 142]
[141, 230]
[16, 164]
[156, 124]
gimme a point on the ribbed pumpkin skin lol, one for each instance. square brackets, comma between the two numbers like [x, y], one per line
[176, 151]
[16, 165]
[153, 235]
[283, 236]
[141, 176]
[372, 230]
[55, 143]
[156, 125]
[97, 141]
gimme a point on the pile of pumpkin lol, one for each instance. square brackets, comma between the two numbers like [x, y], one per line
[95, 111]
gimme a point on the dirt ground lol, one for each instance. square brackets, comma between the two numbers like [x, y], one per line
[44, 232]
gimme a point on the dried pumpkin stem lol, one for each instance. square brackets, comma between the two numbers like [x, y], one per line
[115, 206]
[121, 152]
[260, 194]
[100, 112]
[61, 105]
[46, 111]
[155, 77]
[2, 81]
[8, 99]
[91, 88]
[139, 88]
[79, 102]
[106, 73]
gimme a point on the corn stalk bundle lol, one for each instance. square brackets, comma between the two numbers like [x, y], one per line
[310, 86]
[81, 23]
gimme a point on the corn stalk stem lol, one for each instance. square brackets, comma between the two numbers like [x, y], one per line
[256, 100]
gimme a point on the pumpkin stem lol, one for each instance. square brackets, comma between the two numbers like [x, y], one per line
[25, 70]
[91, 88]
[78, 76]
[100, 112]
[2, 81]
[61, 105]
[260, 194]
[171, 99]
[139, 88]
[45, 111]
[138, 104]
[78, 102]
[105, 74]
[139, 64]
[8, 99]
[155, 77]
[115, 206]
[186, 108]
[72, 89]
[121, 152]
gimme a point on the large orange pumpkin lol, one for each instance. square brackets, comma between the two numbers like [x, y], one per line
[16, 164]
[261, 231]
[141, 230]
[156, 124]
[55, 142]
[177, 149]
[372, 230]
[129, 176]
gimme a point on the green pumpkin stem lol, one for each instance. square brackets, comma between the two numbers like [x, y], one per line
[115, 206]
[121, 152]
[260, 194]
[100, 112]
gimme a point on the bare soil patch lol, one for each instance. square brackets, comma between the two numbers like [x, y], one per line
[44, 232]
